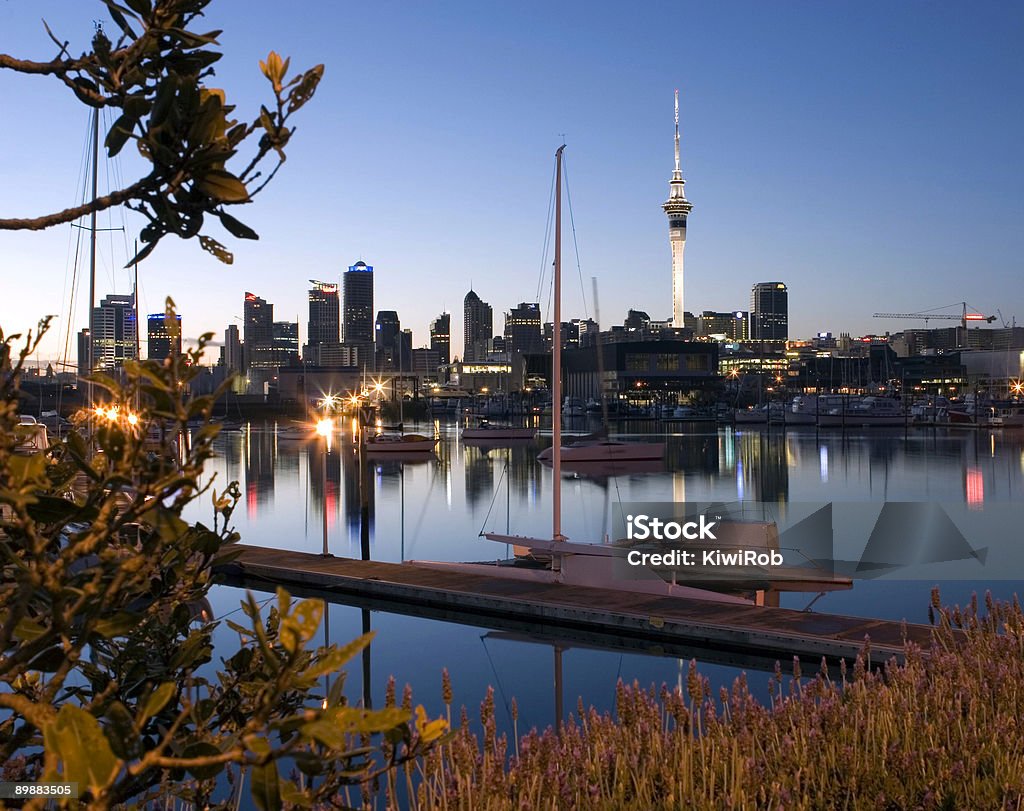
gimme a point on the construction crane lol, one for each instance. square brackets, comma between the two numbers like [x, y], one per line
[963, 318]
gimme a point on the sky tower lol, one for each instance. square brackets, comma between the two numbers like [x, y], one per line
[677, 207]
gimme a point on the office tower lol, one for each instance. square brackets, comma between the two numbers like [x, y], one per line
[441, 337]
[324, 314]
[285, 343]
[677, 208]
[477, 327]
[257, 331]
[523, 329]
[769, 312]
[83, 353]
[163, 337]
[386, 329]
[232, 349]
[114, 332]
[358, 289]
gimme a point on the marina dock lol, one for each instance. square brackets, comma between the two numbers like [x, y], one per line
[653, 620]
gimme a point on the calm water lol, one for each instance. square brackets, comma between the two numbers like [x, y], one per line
[436, 509]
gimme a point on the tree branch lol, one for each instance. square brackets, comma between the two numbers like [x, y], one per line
[71, 214]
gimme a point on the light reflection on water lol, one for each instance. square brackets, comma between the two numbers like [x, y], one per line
[434, 509]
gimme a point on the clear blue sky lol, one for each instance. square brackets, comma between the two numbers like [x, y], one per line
[867, 154]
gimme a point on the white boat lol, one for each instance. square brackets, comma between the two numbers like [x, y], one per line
[488, 431]
[751, 416]
[806, 409]
[865, 412]
[1006, 415]
[30, 436]
[399, 443]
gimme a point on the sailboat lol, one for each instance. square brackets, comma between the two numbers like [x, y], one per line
[399, 442]
[598, 448]
[557, 559]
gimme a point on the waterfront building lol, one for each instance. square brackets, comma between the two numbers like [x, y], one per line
[324, 314]
[163, 337]
[113, 328]
[639, 371]
[477, 327]
[769, 312]
[441, 337]
[677, 208]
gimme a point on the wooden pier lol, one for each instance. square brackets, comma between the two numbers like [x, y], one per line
[655, 620]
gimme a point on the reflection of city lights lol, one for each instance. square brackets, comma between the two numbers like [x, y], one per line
[325, 426]
[975, 486]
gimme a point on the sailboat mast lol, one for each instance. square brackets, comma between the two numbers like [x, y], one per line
[92, 245]
[556, 362]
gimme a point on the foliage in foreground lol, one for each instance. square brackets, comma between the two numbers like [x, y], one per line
[154, 75]
[106, 676]
[941, 731]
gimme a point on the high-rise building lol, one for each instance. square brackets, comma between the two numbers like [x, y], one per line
[324, 314]
[114, 332]
[677, 208]
[358, 289]
[257, 331]
[523, 329]
[769, 312]
[163, 337]
[477, 326]
[285, 343]
[441, 337]
[232, 350]
[386, 329]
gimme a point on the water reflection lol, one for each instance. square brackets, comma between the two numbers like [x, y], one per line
[435, 507]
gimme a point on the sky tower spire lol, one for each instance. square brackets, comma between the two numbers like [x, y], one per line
[676, 208]
[677, 174]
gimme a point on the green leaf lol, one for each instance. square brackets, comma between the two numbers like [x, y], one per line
[78, 740]
[266, 788]
[157, 701]
[236, 228]
[335, 658]
[28, 630]
[223, 186]
[117, 625]
[291, 793]
[202, 749]
[121, 735]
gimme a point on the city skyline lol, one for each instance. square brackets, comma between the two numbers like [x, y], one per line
[866, 158]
